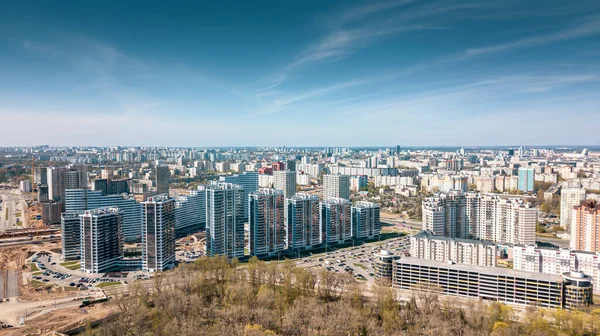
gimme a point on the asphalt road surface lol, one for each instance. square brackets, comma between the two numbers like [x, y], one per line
[9, 284]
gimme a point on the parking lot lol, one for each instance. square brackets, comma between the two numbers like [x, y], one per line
[50, 271]
[357, 260]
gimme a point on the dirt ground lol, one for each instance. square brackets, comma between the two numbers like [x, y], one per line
[60, 320]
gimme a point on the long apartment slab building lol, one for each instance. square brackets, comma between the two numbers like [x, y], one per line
[425, 245]
[570, 290]
[556, 261]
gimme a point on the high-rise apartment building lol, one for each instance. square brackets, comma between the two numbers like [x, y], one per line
[158, 233]
[101, 239]
[585, 227]
[267, 225]
[248, 181]
[111, 187]
[358, 183]
[69, 180]
[53, 175]
[70, 236]
[425, 245]
[473, 215]
[336, 221]
[78, 200]
[336, 186]
[365, 220]
[445, 215]
[302, 221]
[224, 220]
[285, 180]
[526, 179]
[569, 198]
[162, 179]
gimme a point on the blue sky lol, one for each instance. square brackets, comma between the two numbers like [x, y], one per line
[300, 73]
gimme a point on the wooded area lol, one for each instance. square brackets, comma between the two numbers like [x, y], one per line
[215, 297]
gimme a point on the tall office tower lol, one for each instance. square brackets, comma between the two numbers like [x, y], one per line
[101, 239]
[445, 215]
[302, 221]
[335, 220]
[54, 174]
[78, 200]
[70, 236]
[248, 181]
[569, 198]
[285, 181]
[585, 227]
[365, 220]
[158, 233]
[336, 186]
[526, 178]
[397, 149]
[521, 151]
[224, 220]
[267, 226]
[425, 245]
[290, 165]
[473, 215]
[162, 179]
[190, 213]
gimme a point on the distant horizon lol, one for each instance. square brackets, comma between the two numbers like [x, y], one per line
[572, 147]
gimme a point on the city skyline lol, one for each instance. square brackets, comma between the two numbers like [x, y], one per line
[420, 73]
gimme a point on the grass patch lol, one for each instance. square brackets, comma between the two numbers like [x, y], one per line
[33, 267]
[72, 265]
[108, 284]
[38, 273]
[36, 283]
[360, 265]
[18, 214]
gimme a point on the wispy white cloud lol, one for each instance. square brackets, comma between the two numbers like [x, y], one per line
[482, 93]
[590, 26]
[352, 29]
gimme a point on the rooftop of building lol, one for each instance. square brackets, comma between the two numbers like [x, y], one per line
[365, 205]
[480, 269]
[157, 198]
[304, 196]
[335, 200]
[425, 234]
[214, 185]
[101, 211]
[268, 191]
